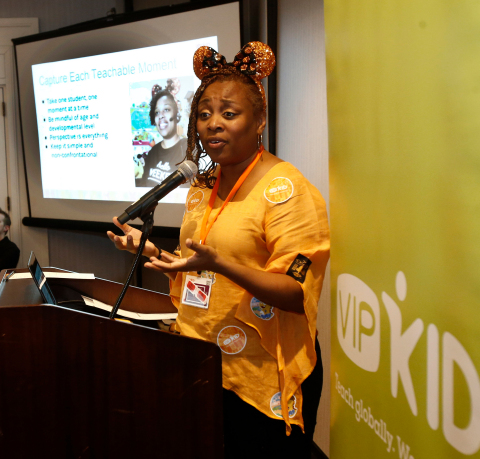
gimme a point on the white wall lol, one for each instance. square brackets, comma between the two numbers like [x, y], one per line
[26, 238]
[302, 137]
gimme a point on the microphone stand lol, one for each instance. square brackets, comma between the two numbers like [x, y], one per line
[147, 218]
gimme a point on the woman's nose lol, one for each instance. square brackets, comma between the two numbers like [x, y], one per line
[215, 123]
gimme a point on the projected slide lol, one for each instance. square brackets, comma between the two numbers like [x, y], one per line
[112, 126]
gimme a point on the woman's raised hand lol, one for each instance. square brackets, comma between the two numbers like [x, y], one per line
[205, 258]
[131, 240]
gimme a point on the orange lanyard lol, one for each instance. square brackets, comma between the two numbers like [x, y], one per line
[205, 229]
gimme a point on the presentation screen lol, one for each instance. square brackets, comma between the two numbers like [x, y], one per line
[105, 112]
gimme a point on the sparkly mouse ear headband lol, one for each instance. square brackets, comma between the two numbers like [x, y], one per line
[255, 59]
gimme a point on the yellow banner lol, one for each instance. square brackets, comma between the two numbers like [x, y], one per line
[403, 80]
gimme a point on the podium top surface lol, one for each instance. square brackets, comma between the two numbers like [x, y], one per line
[23, 292]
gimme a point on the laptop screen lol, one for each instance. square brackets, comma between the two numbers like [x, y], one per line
[40, 280]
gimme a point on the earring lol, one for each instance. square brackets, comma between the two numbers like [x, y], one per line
[259, 140]
[202, 150]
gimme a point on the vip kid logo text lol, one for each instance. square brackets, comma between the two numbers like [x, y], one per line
[358, 330]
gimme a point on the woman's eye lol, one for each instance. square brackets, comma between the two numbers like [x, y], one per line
[229, 114]
[203, 115]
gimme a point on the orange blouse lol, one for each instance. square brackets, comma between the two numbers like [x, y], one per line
[280, 227]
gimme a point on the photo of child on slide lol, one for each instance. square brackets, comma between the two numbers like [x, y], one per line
[159, 118]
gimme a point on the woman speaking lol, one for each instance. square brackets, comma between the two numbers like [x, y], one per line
[254, 244]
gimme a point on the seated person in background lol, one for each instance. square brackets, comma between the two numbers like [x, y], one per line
[9, 252]
[162, 159]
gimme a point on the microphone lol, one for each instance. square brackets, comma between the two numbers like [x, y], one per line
[186, 171]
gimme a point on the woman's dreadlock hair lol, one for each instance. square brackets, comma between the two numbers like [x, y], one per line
[205, 177]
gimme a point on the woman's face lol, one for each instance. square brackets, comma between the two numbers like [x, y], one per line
[226, 123]
[165, 117]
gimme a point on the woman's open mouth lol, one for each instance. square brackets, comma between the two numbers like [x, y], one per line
[216, 143]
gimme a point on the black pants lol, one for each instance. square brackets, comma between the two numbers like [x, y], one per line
[248, 433]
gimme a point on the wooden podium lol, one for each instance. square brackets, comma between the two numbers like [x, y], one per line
[76, 385]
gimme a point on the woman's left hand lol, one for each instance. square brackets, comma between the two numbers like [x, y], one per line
[205, 258]
[275, 289]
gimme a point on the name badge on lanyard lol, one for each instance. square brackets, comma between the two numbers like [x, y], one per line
[196, 291]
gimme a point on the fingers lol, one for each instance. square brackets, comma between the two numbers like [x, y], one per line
[130, 245]
[152, 266]
[122, 242]
[195, 246]
[168, 264]
[115, 239]
[125, 228]
[158, 265]
[167, 257]
[191, 244]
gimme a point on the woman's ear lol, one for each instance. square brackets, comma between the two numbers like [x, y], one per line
[261, 122]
